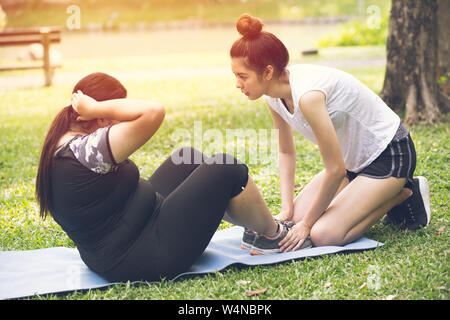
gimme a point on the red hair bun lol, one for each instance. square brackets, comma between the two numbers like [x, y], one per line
[248, 26]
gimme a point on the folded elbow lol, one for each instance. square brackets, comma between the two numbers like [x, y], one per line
[159, 115]
[156, 112]
[152, 118]
[157, 108]
[161, 111]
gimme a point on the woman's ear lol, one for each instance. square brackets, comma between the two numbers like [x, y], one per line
[268, 72]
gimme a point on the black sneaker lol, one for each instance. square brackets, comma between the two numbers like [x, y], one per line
[414, 212]
[396, 215]
[418, 214]
[267, 245]
[249, 236]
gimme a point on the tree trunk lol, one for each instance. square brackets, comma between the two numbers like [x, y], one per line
[411, 80]
[444, 54]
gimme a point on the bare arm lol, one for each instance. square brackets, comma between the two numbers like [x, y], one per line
[138, 121]
[313, 107]
[286, 165]
[314, 110]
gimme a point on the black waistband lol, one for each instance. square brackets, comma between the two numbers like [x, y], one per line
[401, 133]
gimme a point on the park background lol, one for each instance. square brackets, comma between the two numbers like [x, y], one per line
[176, 52]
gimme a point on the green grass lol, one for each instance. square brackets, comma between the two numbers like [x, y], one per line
[411, 265]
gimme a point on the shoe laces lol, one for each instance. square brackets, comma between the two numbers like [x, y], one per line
[410, 217]
[287, 224]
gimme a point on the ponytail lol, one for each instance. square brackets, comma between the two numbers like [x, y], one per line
[60, 125]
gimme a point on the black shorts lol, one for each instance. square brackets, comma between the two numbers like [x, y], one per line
[397, 160]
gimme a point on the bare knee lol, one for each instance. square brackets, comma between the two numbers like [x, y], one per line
[323, 235]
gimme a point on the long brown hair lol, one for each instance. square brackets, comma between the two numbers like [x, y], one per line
[261, 48]
[99, 86]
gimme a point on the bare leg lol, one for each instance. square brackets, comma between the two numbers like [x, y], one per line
[248, 209]
[356, 208]
[303, 199]
[358, 230]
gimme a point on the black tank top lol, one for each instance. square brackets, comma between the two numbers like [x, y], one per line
[103, 213]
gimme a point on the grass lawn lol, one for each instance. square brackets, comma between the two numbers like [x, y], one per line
[411, 265]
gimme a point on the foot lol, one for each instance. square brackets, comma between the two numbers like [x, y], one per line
[419, 211]
[269, 245]
[247, 239]
[288, 224]
[249, 235]
[396, 215]
[414, 212]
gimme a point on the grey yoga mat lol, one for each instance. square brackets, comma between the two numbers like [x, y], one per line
[59, 269]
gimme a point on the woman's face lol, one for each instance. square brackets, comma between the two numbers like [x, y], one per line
[250, 83]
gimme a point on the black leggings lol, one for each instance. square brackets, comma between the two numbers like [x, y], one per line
[196, 195]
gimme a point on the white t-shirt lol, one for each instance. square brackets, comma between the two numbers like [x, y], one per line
[364, 124]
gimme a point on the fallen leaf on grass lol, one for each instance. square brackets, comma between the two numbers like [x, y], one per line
[391, 297]
[255, 292]
[441, 229]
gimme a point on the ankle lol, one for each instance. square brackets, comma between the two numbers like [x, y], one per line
[275, 233]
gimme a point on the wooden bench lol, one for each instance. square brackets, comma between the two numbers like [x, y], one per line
[44, 36]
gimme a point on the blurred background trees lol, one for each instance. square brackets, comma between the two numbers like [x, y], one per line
[418, 64]
[414, 33]
[41, 12]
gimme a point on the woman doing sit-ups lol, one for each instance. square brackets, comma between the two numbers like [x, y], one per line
[125, 227]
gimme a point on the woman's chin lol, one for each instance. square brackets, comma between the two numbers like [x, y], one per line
[251, 96]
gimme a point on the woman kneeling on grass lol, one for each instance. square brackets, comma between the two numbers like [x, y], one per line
[368, 155]
[126, 227]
